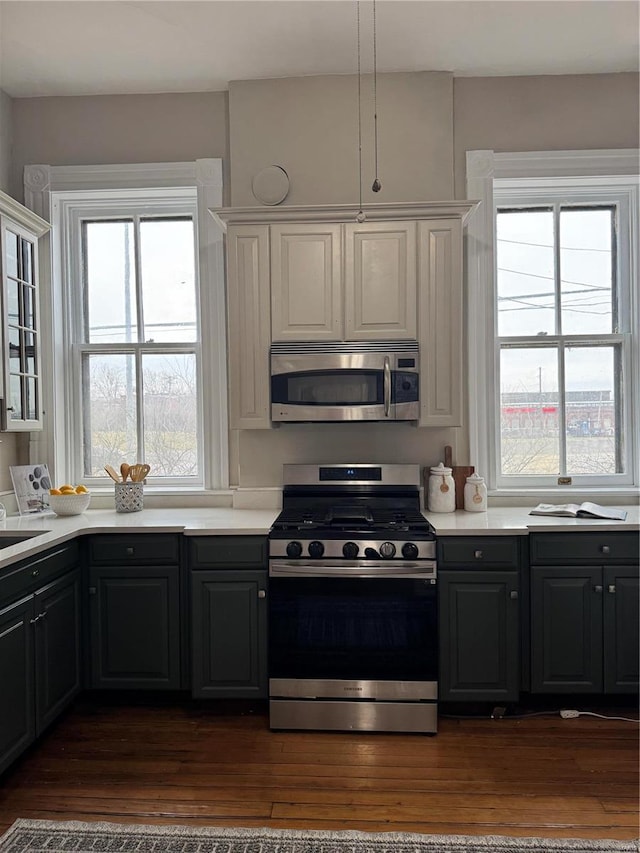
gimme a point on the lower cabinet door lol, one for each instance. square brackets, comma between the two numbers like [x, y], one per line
[135, 627]
[479, 635]
[57, 647]
[229, 634]
[17, 719]
[566, 629]
[621, 634]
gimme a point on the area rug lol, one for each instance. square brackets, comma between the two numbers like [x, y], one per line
[44, 836]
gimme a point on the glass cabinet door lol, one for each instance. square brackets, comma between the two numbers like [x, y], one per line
[21, 406]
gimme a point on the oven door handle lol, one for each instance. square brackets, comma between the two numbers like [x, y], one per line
[425, 570]
[387, 386]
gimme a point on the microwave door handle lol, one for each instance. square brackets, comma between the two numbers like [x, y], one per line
[387, 386]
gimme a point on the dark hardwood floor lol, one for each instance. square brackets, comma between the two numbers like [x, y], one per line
[177, 762]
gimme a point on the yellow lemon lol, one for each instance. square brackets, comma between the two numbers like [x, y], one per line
[67, 490]
[81, 490]
[55, 492]
[66, 486]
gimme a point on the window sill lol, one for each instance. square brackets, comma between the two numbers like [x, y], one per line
[524, 497]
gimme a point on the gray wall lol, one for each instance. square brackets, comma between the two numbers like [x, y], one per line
[6, 130]
[427, 121]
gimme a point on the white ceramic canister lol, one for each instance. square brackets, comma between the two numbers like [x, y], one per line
[441, 492]
[475, 494]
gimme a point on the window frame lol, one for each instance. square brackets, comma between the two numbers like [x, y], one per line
[69, 194]
[499, 180]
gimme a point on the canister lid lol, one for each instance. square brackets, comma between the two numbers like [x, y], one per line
[441, 469]
[475, 479]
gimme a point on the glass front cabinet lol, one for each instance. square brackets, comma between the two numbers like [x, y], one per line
[20, 386]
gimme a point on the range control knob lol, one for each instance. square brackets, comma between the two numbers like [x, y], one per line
[316, 549]
[387, 550]
[350, 550]
[294, 549]
[371, 553]
[410, 551]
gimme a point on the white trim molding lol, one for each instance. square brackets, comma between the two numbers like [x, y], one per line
[69, 182]
[543, 170]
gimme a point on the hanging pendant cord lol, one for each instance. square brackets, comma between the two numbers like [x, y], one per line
[377, 186]
[360, 213]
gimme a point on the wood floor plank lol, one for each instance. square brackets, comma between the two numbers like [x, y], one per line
[198, 764]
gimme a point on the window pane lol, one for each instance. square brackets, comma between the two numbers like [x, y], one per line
[168, 280]
[591, 375]
[110, 282]
[170, 414]
[11, 253]
[587, 273]
[529, 435]
[27, 261]
[525, 262]
[109, 392]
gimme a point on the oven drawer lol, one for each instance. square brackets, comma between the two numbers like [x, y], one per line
[495, 551]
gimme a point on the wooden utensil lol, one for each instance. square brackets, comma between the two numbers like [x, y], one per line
[112, 473]
[124, 470]
[138, 472]
[459, 474]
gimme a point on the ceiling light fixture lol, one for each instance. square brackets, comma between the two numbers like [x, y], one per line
[376, 186]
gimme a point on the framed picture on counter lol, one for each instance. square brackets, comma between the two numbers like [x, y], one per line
[31, 484]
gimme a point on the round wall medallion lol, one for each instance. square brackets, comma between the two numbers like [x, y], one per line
[271, 185]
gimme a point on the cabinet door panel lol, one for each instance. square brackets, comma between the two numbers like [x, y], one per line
[566, 630]
[621, 634]
[249, 324]
[306, 287]
[17, 728]
[440, 320]
[479, 641]
[57, 648]
[380, 281]
[229, 634]
[135, 637]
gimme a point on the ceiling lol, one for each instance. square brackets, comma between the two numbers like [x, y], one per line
[90, 47]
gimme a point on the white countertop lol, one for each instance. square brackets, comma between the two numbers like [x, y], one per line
[51, 530]
[515, 520]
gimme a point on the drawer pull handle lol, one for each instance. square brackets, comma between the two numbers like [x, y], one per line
[513, 595]
[33, 621]
[130, 551]
[598, 588]
[605, 549]
[477, 555]
[35, 573]
[611, 587]
[262, 593]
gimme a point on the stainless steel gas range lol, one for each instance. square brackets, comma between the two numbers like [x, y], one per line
[352, 602]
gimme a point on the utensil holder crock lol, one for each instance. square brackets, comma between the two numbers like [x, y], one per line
[129, 497]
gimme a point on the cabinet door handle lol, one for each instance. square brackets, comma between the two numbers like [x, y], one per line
[477, 555]
[35, 573]
[605, 549]
[598, 588]
[262, 593]
[130, 551]
[611, 587]
[42, 615]
[513, 595]
[33, 621]
[92, 590]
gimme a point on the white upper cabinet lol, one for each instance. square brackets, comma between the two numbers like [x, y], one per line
[306, 283]
[21, 392]
[380, 281]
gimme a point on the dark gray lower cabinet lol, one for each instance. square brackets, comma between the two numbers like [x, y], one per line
[40, 670]
[134, 614]
[229, 634]
[479, 636]
[584, 629]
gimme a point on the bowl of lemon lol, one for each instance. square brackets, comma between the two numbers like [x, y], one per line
[69, 500]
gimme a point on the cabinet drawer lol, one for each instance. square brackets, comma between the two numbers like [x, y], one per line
[232, 552]
[25, 577]
[135, 549]
[493, 551]
[594, 548]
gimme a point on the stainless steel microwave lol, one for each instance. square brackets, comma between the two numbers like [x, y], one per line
[345, 381]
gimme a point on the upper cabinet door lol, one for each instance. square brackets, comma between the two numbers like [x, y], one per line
[306, 289]
[380, 280]
[20, 230]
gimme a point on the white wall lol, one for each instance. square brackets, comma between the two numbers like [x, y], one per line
[6, 133]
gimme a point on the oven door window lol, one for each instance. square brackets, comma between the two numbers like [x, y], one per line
[362, 629]
[329, 388]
